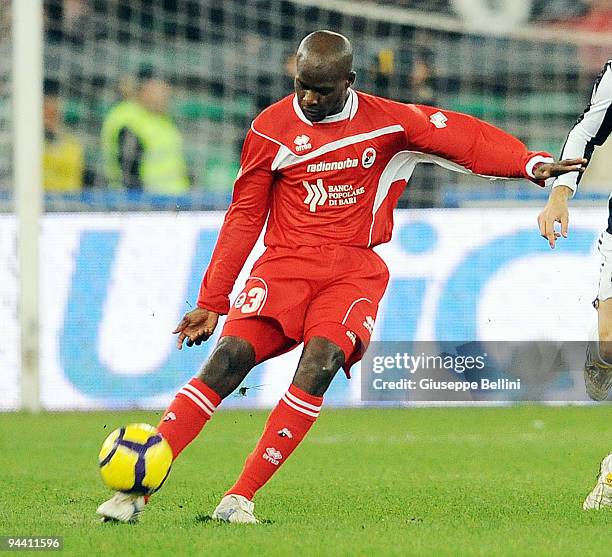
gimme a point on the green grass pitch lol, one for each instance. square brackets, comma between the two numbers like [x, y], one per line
[426, 481]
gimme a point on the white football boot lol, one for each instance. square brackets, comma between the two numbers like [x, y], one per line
[597, 373]
[122, 507]
[601, 496]
[235, 509]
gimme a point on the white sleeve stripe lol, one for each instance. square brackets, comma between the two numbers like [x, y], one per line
[265, 136]
[281, 147]
[535, 160]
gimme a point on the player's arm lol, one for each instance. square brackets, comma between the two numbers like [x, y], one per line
[591, 130]
[242, 226]
[478, 147]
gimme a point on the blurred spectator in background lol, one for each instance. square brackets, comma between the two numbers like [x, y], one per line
[382, 71]
[421, 80]
[552, 10]
[405, 75]
[597, 18]
[290, 69]
[63, 155]
[142, 146]
[420, 90]
[127, 88]
[67, 20]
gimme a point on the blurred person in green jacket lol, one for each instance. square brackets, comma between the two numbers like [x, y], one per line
[142, 146]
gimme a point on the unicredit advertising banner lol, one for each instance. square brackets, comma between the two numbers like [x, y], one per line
[114, 286]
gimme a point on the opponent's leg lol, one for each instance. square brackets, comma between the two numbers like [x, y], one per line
[286, 427]
[598, 380]
[604, 328]
[598, 364]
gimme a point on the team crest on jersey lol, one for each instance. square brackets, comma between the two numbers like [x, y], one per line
[302, 143]
[368, 157]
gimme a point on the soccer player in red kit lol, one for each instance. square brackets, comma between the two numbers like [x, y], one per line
[325, 167]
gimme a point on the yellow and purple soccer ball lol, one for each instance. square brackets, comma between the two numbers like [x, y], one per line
[135, 459]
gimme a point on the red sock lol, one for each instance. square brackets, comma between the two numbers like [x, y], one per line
[191, 408]
[287, 425]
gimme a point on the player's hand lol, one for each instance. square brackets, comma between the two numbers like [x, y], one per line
[553, 169]
[555, 211]
[196, 326]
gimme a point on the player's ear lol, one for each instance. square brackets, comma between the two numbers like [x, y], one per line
[351, 78]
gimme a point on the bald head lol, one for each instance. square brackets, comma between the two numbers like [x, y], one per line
[326, 51]
[324, 62]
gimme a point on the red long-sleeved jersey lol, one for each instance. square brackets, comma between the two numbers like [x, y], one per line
[338, 181]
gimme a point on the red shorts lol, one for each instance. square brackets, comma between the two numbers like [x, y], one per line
[330, 291]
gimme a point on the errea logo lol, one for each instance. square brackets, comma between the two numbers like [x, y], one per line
[170, 416]
[438, 120]
[302, 143]
[272, 455]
